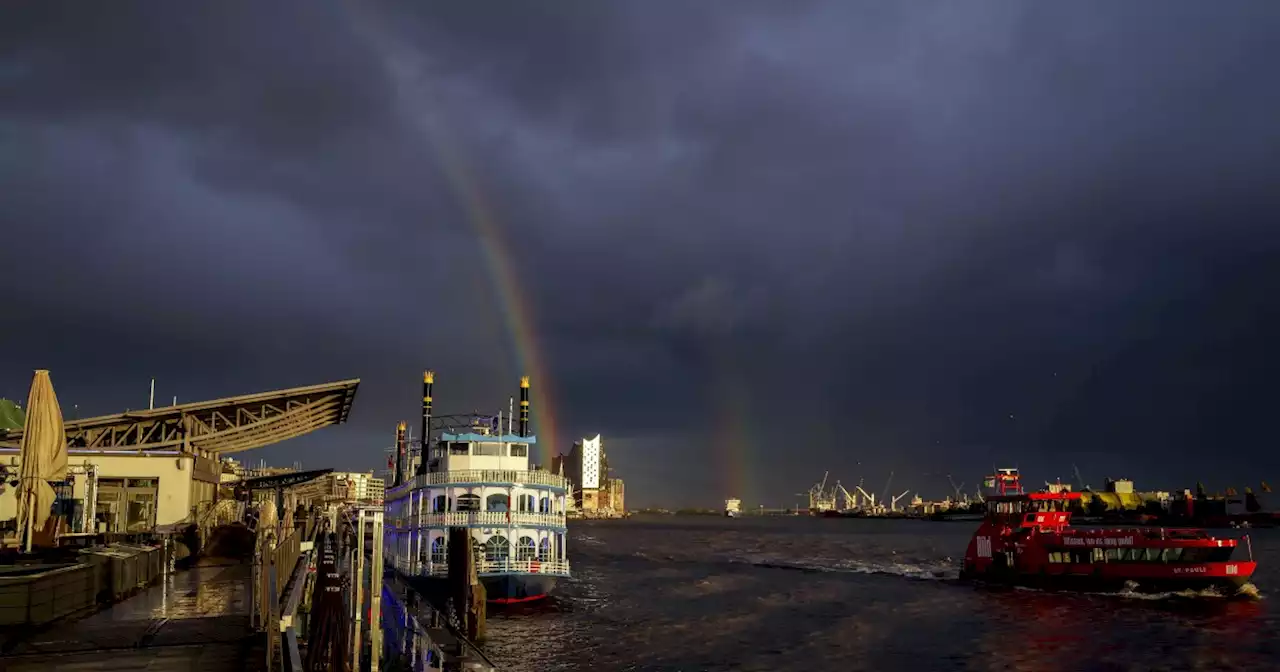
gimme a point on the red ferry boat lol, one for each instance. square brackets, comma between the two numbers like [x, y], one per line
[1026, 539]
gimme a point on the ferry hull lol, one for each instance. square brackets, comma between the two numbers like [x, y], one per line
[517, 588]
[499, 588]
[1214, 578]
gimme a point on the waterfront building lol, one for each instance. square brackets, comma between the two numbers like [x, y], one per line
[159, 467]
[587, 467]
[121, 493]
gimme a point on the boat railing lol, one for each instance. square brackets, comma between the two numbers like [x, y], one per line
[555, 567]
[491, 518]
[512, 476]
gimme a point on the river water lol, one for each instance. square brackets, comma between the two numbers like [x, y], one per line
[709, 593]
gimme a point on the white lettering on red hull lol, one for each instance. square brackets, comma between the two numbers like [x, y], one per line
[1099, 541]
[1190, 570]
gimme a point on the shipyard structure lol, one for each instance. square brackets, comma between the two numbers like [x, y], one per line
[596, 493]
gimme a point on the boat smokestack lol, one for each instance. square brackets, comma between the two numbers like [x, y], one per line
[524, 405]
[428, 381]
[399, 477]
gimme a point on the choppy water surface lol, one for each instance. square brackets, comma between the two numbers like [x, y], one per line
[706, 593]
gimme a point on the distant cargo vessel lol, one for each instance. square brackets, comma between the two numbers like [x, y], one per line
[471, 473]
[732, 508]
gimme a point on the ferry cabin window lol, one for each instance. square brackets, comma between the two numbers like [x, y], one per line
[468, 502]
[439, 550]
[459, 448]
[525, 549]
[544, 549]
[519, 450]
[1149, 555]
[1015, 507]
[544, 505]
[441, 504]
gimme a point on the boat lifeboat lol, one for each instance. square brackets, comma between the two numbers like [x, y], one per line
[1026, 539]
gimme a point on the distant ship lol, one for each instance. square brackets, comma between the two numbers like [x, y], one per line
[474, 475]
[732, 508]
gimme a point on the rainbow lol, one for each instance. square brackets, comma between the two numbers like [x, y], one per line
[733, 435]
[515, 305]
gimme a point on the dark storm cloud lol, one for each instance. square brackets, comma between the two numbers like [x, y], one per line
[899, 224]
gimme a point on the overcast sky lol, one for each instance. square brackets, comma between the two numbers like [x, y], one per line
[755, 240]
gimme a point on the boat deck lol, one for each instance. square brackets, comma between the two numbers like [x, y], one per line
[198, 619]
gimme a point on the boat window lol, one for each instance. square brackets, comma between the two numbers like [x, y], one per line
[544, 505]
[1055, 557]
[489, 448]
[525, 549]
[468, 502]
[1098, 556]
[544, 549]
[439, 504]
[1202, 554]
[1113, 554]
[1151, 555]
[1171, 555]
[497, 549]
[496, 503]
[459, 448]
[439, 550]
[519, 450]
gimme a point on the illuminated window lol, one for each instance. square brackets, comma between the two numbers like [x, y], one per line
[525, 549]
[496, 503]
[468, 502]
[497, 549]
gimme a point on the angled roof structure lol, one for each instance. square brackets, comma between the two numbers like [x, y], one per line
[215, 427]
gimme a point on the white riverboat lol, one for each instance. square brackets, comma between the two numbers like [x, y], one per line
[474, 475]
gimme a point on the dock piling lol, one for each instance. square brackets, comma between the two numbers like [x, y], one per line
[466, 593]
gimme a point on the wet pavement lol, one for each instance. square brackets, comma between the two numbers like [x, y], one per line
[196, 619]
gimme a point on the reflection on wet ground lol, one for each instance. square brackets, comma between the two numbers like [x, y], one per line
[196, 619]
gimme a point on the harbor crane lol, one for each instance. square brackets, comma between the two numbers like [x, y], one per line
[820, 498]
[868, 499]
[893, 503]
[960, 496]
[850, 501]
[1080, 479]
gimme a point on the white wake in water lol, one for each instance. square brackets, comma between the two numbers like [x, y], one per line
[914, 568]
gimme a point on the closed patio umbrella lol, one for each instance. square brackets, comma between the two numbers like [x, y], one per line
[43, 456]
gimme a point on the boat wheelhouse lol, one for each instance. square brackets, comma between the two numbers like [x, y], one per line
[1026, 539]
[478, 476]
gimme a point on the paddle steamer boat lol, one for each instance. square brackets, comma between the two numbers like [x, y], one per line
[474, 473]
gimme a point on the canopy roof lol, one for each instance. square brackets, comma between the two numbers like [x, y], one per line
[220, 426]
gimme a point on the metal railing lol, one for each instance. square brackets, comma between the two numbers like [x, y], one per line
[554, 567]
[511, 476]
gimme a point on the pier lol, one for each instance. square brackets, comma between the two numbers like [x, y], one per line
[154, 559]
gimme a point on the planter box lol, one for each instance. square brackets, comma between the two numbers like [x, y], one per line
[39, 594]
